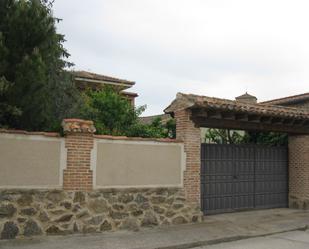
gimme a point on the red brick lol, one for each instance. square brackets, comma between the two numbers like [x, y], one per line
[190, 135]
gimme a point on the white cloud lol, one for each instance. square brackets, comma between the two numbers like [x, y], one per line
[218, 48]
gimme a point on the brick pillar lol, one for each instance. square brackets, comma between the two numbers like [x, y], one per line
[191, 135]
[79, 143]
[299, 171]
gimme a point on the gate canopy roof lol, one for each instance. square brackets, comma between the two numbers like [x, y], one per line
[230, 114]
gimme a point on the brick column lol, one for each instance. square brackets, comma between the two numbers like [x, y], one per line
[191, 135]
[79, 143]
[299, 171]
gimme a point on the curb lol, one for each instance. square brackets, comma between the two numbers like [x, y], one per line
[227, 239]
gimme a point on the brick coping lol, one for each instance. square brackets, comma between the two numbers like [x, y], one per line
[164, 140]
[109, 137]
[23, 132]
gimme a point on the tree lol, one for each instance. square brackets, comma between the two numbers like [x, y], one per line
[112, 113]
[6, 111]
[267, 138]
[223, 136]
[171, 128]
[155, 130]
[33, 60]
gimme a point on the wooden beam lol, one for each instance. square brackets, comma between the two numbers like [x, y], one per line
[228, 115]
[299, 122]
[277, 120]
[241, 116]
[254, 118]
[244, 125]
[266, 119]
[288, 121]
[214, 114]
[200, 112]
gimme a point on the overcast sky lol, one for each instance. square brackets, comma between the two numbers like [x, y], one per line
[219, 48]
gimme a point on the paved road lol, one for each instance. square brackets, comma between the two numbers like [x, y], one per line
[289, 240]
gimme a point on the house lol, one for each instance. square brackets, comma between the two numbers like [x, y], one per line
[297, 101]
[84, 80]
[149, 119]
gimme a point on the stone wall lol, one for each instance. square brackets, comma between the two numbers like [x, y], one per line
[53, 212]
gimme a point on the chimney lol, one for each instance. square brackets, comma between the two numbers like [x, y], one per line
[246, 98]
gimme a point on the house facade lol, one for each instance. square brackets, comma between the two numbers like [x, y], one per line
[84, 80]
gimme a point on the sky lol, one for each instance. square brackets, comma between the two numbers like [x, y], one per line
[218, 48]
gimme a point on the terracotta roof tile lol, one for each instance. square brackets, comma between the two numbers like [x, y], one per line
[94, 76]
[287, 100]
[148, 119]
[245, 95]
[191, 101]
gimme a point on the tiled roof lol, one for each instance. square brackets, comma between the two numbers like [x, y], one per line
[94, 76]
[148, 119]
[246, 95]
[129, 93]
[191, 101]
[288, 100]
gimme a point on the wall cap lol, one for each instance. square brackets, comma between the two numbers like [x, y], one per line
[23, 132]
[165, 140]
[78, 126]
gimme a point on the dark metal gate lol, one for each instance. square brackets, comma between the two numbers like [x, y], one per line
[242, 177]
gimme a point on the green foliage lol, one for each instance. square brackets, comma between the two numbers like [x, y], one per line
[67, 100]
[111, 113]
[6, 111]
[223, 136]
[155, 129]
[171, 128]
[268, 138]
[32, 63]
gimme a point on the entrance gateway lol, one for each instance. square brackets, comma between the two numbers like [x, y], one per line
[225, 178]
[243, 177]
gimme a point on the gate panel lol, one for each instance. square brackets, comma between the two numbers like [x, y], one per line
[239, 177]
[271, 188]
[217, 178]
[243, 161]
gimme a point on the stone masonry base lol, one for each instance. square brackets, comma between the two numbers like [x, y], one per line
[38, 212]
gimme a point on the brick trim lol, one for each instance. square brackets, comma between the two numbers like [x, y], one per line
[191, 136]
[79, 142]
[299, 171]
[164, 140]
